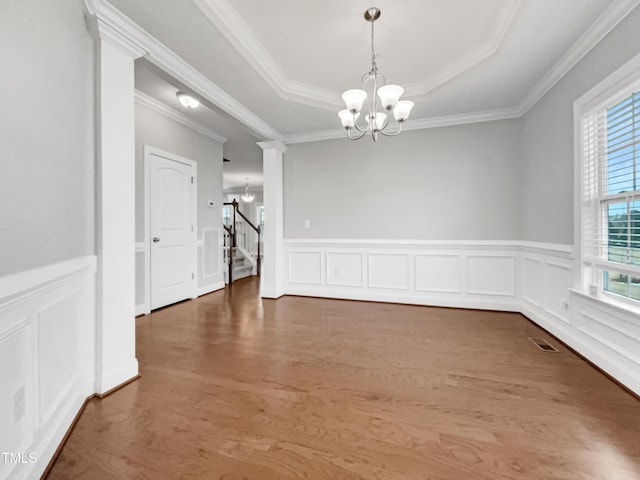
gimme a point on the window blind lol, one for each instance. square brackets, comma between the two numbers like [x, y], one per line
[611, 186]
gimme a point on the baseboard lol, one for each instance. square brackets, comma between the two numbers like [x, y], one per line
[590, 350]
[142, 310]
[65, 437]
[272, 294]
[117, 387]
[466, 303]
[48, 446]
[120, 376]
[214, 287]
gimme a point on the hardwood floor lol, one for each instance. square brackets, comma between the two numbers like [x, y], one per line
[234, 387]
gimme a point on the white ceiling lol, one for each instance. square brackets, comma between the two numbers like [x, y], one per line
[245, 156]
[287, 61]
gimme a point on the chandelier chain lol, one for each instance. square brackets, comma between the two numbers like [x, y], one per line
[374, 60]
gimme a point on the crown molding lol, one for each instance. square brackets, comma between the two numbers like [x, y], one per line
[482, 52]
[606, 22]
[275, 145]
[419, 124]
[107, 32]
[109, 17]
[169, 112]
[228, 21]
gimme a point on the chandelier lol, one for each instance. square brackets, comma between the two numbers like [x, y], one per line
[383, 100]
[247, 196]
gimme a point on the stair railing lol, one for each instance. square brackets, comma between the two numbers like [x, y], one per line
[239, 234]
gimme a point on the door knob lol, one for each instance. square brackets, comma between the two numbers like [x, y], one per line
[156, 239]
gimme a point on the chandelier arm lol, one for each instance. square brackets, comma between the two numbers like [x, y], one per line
[362, 134]
[393, 134]
[355, 125]
[386, 120]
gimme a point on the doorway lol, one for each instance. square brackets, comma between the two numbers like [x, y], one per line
[170, 182]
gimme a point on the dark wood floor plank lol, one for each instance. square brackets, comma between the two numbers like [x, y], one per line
[234, 387]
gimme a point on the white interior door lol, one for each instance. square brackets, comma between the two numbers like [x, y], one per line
[172, 230]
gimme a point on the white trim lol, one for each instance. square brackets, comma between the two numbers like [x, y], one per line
[229, 22]
[24, 283]
[273, 145]
[214, 287]
[401, 297]
[148, 151]
[415, 124]
[482, 52]
[159, 107]
[140, 42]
[103, 31]
[626, 76]
[200, 245]
[165, 59]
[105, 381]
[606, 22]
[561, 249]
[29, 300]
[609, 19]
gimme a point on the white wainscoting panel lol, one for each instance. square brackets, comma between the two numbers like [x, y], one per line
[305, 268]
[491, 275]
[211, 252]
[58, 355]
[438, 273]
[415, 272]
[143, 287]
[556, 283]
[47, 358]
[389, 271]
[532, 282]
[345, 269]
[16, 364]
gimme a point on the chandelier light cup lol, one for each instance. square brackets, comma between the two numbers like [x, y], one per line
[376, 94]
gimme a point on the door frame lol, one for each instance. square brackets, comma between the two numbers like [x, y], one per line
[193, 257]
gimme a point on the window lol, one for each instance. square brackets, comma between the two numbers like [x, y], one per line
[610, 223]
[226, 215]
[260, 215]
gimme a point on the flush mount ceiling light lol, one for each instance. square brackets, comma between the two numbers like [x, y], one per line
[247, 196]
[378, 94]
[187, 100]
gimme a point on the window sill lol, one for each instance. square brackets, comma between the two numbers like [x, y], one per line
[605, 301]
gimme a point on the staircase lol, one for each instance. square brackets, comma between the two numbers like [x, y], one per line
[241, 264]
[242, 246]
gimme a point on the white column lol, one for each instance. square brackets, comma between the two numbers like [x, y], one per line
[272, 276]
[115, 205]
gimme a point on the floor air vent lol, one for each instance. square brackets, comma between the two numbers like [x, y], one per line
[543, 345]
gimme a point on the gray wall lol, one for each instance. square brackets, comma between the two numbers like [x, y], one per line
[548, 137]
[158, 131]
[46, 134]
[452, 183]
